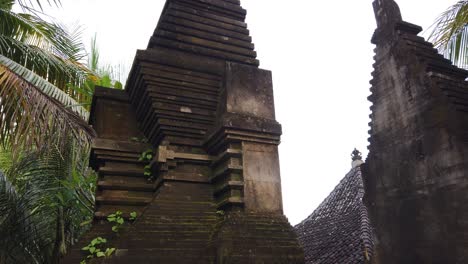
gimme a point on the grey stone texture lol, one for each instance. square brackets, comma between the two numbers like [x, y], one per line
[416, 172]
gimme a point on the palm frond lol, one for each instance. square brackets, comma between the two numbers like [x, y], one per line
[93, 57]
[39, 200]
[450, 33]
[36, 31]
[24, 34]
[6, 158]
[7, 4]
[49, 66]
[30, 4]
[31, 109]
[19, 237]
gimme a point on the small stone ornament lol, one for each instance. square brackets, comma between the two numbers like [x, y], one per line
[356, 156]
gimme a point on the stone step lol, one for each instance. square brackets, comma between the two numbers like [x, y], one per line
[181, 208]
[189, 206]
[129, 160]
[174, 233]
[165, 256]
[270, 259]
[184, 218]
[104, 211]
[123, 201]
[139, 172]
[175, 212]
[179, 226]
[130, 186]
[157, 217]
[175, 215]
[123, 180]
[185, 200]
[260, 241]
[192, 242]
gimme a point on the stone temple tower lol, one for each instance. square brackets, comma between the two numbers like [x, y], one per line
[416, 174]
[211, 192]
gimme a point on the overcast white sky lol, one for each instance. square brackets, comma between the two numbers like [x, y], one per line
[321, 57]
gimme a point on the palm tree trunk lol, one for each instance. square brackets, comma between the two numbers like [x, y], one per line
[60, 247]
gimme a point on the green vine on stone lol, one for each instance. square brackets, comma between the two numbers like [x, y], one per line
[147, 171]
[133, 216]
[147, 155]
[220, 213]
[117, 219]
[95, 249]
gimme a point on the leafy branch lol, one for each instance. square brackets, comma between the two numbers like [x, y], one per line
[450, 33]
[117, 219]
[147, 156]
[95, 249]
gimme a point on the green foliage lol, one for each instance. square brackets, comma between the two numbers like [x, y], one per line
[104, 76]
[95, 249]
[220, 213]
[6, 159]
[147, 171]
[26, 98]
[133, 216]
[450, 33]
[42, 78]
[47, 191]
[51, 50]
[38, 59]
[45, 198]
[117, 219]
[147, 155]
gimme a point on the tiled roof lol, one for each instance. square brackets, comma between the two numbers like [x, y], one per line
[338, 231]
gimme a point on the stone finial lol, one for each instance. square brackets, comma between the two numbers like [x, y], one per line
[356, 156]
[387, 13]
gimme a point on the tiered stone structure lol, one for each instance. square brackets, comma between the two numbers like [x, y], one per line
[207, 111]
[416, 173]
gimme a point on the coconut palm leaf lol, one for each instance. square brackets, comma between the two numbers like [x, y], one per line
[35, 31]
[49, 66]
[450, 33]
[29, 4]
[7, 4]
[43, 47]
[6, 159]
[32, 109]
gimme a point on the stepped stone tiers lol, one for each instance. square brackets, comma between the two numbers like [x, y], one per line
[339, 230]
[197, 96]
[416, 173]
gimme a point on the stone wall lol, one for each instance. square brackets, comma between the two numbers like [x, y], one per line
[416, 172]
